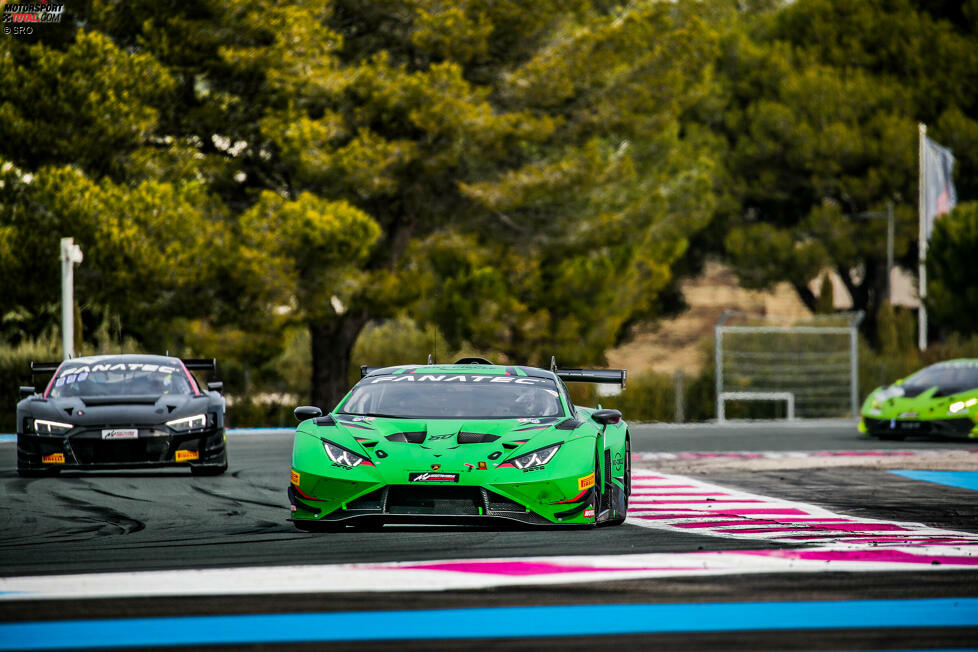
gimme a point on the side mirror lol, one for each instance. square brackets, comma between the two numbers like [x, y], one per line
[216, 387]
[27, 390]
[606, 417]
[304, 412]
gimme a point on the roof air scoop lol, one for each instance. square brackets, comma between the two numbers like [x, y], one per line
[472, 361]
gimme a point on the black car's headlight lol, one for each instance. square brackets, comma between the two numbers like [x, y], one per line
[45, 427]
[186, 424]
[343, 456]
[539, 457]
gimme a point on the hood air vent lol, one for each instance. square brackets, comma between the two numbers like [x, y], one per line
[407, 437]
[476, 438]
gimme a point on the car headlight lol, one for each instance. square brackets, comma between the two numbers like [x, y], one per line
[539, 457]
[344, 457]
[957, 406]
[188, 423]
[51, 427]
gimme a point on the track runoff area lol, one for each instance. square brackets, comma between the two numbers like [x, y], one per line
[762, 536]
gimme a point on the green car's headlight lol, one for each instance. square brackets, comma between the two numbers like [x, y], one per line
[343, 456]
[958, 406]
[188, 423]
[46, 427]
[539, 457]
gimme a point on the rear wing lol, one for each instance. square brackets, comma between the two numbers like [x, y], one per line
[43, 369]
[200, 364]
[605, 376]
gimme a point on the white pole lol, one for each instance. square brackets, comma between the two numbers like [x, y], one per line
[922, 243]
[70, 255]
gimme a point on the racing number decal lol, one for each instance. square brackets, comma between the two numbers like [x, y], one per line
[586, 482]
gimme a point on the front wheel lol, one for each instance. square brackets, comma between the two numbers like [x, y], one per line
[627, 482]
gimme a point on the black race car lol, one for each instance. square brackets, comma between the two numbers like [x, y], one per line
[122, 411]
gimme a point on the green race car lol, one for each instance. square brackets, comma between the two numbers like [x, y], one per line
[470, 442]
[941, 399]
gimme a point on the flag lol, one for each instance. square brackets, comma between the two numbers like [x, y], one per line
[938, 192]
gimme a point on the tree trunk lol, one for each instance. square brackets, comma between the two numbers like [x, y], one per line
[332, 344]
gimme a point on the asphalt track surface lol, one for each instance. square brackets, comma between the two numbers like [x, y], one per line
[167, 520]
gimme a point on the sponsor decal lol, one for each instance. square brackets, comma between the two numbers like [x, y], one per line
[619, 461]
[433, 477]
[444, 378]
[589, 512]
[363, 418]
[128, 433]
[908, 415]
[437, 437]
[54, 458]
[185, 456]
[482, 466]
[435, 467]
[295, 477]
[586, 482]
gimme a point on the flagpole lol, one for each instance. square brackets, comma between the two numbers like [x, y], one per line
[922, 242]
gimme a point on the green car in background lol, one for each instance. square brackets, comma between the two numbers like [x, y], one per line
[941, 399]
[469, 442]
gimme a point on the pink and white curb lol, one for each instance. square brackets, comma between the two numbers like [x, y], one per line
[683, 504]
[476, 573]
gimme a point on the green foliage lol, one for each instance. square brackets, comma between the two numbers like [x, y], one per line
[826, 300]
[952, 295]
[397, 341]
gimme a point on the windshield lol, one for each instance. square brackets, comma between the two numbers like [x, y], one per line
[118, 378]
[946, 375]
[466, 396]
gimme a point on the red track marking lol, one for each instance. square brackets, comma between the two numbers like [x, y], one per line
[759, 522]
[863, 555]
[709, 501]
[704, 493]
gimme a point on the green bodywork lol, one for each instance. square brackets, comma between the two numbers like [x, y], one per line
[563, 491]
[889, 413]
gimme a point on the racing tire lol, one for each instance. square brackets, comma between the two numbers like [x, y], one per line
[598, 496]
[618, 520]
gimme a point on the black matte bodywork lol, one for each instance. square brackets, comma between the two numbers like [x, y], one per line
[122, 431]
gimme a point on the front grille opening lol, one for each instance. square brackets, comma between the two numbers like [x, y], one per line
[476, 438]
[498, 503]
[374, 501]
[128, 451]
[458, 501]
[407, 437]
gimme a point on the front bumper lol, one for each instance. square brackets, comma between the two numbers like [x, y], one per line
[410, 504]
[154, 447]
[960, 427]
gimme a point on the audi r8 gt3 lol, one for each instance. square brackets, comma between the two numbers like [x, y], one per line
[469, 442]
[941, 399]
[122, 411]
